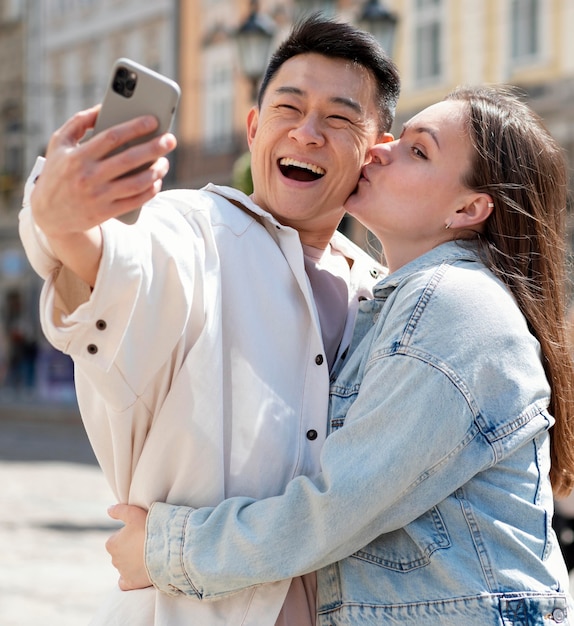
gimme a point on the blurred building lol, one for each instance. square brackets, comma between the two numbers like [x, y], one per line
[438, 45]
[16, 283]
[55, 58]
[72, 45]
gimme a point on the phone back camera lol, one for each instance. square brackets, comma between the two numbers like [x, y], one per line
[124, 82]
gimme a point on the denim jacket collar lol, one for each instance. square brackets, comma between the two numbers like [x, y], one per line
[444, 253]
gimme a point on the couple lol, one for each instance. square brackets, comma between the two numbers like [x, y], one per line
[431, 502]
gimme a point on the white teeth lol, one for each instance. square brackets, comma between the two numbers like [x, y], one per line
[306, 166]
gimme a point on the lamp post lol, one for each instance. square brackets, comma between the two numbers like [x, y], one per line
[254, 39]
[380, 22]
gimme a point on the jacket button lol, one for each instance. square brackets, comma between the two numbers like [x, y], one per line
[319, 359]
[374, 272]
[311, 435]
[101, 325]
[92, 348]
[558, 615]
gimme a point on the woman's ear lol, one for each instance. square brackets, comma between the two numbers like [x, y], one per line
[474, 213]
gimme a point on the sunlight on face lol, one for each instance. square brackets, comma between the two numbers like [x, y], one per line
[413, 185]
[308, 142]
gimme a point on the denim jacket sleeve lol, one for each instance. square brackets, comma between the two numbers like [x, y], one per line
[381, 471]
[398, 454]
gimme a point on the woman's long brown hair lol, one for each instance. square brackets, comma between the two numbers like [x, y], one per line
[523, 168]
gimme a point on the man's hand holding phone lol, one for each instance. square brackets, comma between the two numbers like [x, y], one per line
[85, 183]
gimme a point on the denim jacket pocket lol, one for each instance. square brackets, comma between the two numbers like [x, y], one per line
[410, 547]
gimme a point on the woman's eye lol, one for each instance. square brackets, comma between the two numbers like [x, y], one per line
[418, 153]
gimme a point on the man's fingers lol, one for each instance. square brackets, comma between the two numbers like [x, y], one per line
[111, 139]
[138, 157]
[76, 127]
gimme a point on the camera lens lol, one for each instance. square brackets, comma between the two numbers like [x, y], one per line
[124, 82]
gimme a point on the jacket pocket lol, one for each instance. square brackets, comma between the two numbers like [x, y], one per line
[410, 547]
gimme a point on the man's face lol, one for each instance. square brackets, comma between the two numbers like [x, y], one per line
[310, 139]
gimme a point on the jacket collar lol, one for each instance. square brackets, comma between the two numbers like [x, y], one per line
[339, 241]
[238, 197]
[449, 252]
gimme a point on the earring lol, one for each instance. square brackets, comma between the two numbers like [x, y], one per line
[491, 205]
[447, 226]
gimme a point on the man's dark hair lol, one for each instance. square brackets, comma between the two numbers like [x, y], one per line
[340, 40]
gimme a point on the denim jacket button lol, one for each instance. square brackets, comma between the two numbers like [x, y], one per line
[558, 615]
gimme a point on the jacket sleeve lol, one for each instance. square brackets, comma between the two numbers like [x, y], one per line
[123, 330]
[36, 246]
[395, 458]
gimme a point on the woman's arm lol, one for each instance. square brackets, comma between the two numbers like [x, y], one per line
[391, 462]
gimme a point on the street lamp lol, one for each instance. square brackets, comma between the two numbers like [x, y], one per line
[380, 22]
[254, 39]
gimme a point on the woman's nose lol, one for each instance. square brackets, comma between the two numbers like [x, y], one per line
[381, 152]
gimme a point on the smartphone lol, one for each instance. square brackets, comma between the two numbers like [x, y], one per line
[135, 90]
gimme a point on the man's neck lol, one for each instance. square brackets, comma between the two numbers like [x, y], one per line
[316, 239]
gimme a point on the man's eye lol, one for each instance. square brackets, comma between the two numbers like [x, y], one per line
[342, 118]
[290, 107]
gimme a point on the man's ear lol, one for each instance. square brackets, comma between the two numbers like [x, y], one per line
[385, 138]
[474, 213]
[252, 121]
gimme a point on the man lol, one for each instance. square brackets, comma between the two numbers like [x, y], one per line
[203, 335]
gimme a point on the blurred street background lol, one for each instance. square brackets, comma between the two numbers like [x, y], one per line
[55, 58]
[54, 570]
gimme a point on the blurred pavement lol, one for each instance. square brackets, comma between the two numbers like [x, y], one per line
[54, 570]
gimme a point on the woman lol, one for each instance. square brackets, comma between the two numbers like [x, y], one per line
[451, 423]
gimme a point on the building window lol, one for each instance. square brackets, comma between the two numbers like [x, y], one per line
[525, 24]
[60, 102]
[428, 35]
[302, 7]
[88, 94]
[11, 10]
[218, 105]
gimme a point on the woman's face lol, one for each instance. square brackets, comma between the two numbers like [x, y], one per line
[412, 188]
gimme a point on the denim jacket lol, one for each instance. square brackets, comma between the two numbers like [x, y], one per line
[433, 505]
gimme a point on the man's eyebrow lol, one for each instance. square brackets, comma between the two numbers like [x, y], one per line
[423, 129]
[347, 102]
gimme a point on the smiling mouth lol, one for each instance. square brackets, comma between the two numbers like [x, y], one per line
[297, 170]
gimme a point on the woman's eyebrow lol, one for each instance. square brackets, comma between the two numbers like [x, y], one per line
[423, 129]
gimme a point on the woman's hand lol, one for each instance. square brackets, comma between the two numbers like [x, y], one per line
[126, 546]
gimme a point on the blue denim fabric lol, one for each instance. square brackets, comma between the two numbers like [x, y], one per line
[434, 503]
[448, 356]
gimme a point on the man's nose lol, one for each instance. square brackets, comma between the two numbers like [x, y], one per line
[308, 131]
